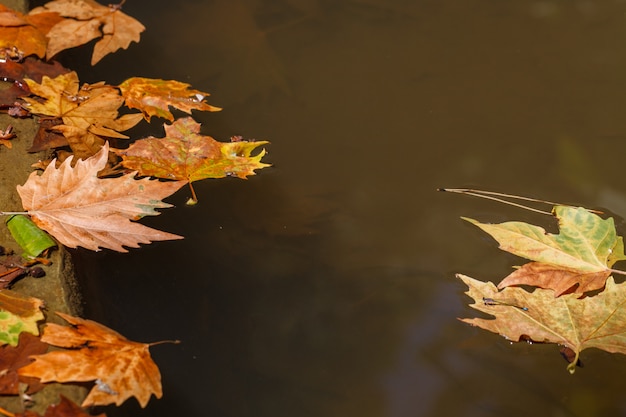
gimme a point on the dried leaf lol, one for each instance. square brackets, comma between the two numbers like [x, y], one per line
[153, 97]
[80, 209]
[18, 313]
[22, 31]
[586, 248]
[90, 111]
[89, 20]
[121, 368]
[66, 408]
[184, 154]
[598, 321]
[13, 358]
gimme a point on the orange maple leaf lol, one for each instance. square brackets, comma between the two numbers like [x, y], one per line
[88, 112]
[88, 20]
[184, 154]
[24, 32]
[153, 97]
[80, 209]
[120, 368]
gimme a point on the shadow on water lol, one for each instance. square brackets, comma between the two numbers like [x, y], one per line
[325, 285]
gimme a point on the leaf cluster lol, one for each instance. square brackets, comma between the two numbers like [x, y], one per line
[567, 294]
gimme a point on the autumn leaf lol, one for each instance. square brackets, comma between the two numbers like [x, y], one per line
[18, 313]
[153, 97]
[14, 357]
[24, 32]
[16, 72]
[80, 209]
[598, 321]
[88, 20]
[581, 254]
[184, 154]
[87, 113]
[120, 368]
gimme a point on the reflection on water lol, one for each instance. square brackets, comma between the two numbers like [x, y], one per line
[324, 286]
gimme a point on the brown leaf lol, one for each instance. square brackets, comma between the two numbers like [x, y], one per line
[17, 71]
[577, 323]
[153, 97]
[88, 112]
[184, 154]
[121, 368]
[13, 358]
[558, 278]
[18, 30]
[80, 209]
[89, 20]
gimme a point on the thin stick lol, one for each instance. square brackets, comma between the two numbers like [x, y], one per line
[489, 195]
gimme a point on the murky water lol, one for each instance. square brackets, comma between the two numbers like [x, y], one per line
[325, 285]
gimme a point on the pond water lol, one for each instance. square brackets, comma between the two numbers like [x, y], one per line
[324, 286]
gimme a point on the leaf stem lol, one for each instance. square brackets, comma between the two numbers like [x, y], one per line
[161, 342]
[10, 213]
[194, 199]
[617, 271]
[492, 195]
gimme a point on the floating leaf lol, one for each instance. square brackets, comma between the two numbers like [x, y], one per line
[121, 368]
[584, 250]
[80, 209]
[88, 20]
[598, 321]
[87, 113]
[184, 154]
[153, 97]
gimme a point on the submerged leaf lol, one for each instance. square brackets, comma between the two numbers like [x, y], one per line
[598, 321]
[18, 313]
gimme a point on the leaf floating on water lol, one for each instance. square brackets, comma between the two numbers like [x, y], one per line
[580, 257]
[80, 209]
[123, 368]
[578, 324]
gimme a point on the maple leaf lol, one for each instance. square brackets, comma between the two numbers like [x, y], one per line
[80, 209]
[184, 154]
[87, 113]
[120, 367]
[18, 313]
[598, 321]
[581, 255]
[12, 358]
[24, 32]
[89, 20]
[153, 97]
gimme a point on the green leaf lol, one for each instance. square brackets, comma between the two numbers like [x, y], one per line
[586, 243]
[31, 238]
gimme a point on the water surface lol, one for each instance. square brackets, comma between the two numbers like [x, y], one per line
[325, 285]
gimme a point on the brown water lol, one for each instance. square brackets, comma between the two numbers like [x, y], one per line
[325, 285]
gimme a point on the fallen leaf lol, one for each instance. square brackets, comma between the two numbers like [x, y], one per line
[16, 72]
[121, 368]
[87, 113]
[585, 249]
[18, 313]
[12, 358]
[66, 408]
[598, 321]
[153, 97]
[24, 32]
[80, 209]
[184, 154]
[88, 20]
